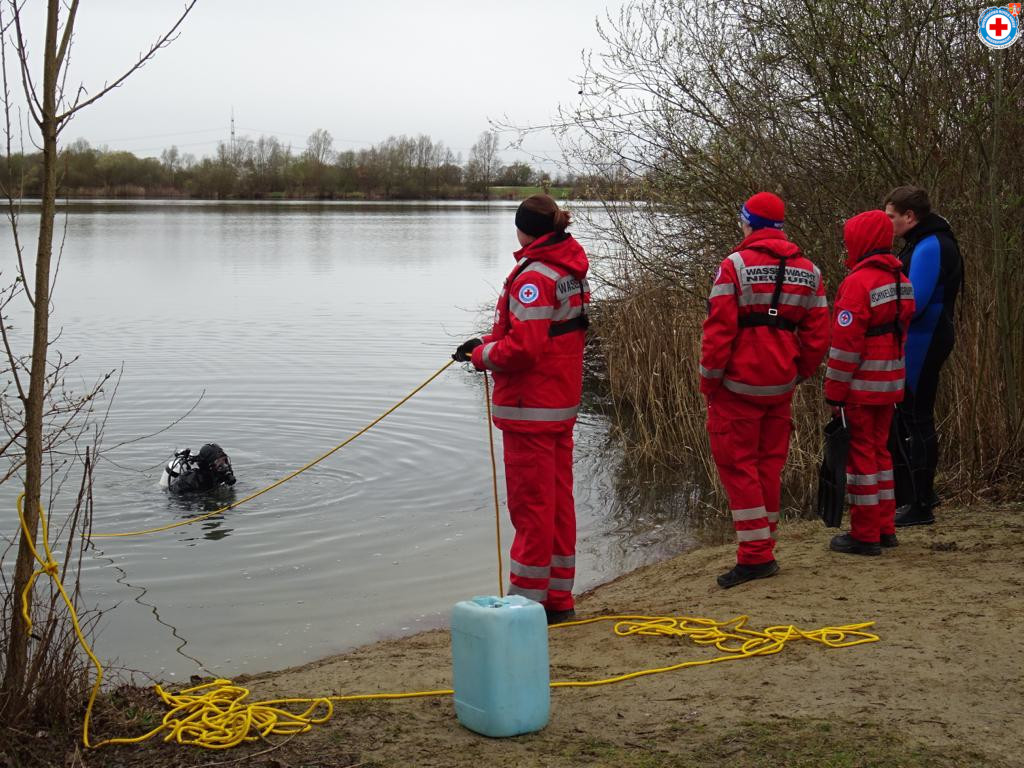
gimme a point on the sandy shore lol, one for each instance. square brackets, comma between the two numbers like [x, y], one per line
[943, 687]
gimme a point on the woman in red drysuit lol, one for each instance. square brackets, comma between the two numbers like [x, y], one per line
[535, 353]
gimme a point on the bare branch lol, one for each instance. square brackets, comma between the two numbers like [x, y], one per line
[163, 42]
[31, 97]
[65, 39]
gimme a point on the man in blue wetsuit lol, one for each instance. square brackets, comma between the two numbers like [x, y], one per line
[931, 259]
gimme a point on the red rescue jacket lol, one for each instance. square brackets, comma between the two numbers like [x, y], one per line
[747, 349]
[869, 329]
[535, 349]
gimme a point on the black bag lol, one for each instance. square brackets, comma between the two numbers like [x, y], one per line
[832, 475]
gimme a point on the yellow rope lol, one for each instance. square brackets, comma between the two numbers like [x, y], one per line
[50, 568]
[285, 479]
[218, 715]
[494, 483]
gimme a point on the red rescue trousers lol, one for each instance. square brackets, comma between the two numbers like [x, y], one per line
[538, 478]
[869, 480]
[749, 443]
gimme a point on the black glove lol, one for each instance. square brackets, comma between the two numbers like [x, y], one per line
[465, 350]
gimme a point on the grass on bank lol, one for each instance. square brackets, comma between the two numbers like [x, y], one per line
[521, 193]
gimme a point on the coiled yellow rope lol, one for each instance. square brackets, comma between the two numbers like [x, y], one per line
[219, 715]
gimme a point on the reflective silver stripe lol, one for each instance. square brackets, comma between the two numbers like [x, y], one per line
[792, 299]
[837, 375]
[561, 585]
[534, 414]
[754, 513]
[487, 357]
[882, 365]
[737, 263]
[749, 389]
[878, 386]
[758, 534]
[566, 312]
[739, 266]
[883, 294]
[814, 301]
[563, 561]
[524, 313]
[544, 269]
[885, 474]
[887, 494]
[529, 571]
[861, 479]
[866, 499]
[537, 595]
[842, 354]
[773, 517]
[723, 289]
[712, 373]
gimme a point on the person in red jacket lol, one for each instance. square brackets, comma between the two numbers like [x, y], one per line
[865, 376]
[766, 330]
[535, 353]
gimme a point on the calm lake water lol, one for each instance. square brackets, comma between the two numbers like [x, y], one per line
[294, 325]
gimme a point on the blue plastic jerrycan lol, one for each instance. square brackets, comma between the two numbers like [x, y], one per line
[500, 666]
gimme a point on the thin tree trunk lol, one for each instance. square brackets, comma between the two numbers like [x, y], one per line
[17, 651]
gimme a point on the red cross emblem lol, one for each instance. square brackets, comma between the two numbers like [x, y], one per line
[998, 27]
[1014, 8]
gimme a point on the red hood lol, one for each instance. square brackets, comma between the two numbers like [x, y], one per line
[773, 240]
[866, 232]
[560, 250]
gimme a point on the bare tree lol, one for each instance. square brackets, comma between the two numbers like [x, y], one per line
[51, 105]
[695, 104]
[319, 157]
[482, 167]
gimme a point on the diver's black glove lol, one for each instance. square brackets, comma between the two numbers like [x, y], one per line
[465, 350]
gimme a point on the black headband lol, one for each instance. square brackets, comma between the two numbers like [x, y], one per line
[533, 223]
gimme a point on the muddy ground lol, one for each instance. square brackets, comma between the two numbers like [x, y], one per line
[943, 687]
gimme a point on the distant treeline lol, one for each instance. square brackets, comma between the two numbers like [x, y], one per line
[400, 167]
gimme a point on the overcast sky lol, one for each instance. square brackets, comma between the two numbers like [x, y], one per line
[362, 70]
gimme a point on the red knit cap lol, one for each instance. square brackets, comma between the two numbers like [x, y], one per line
[767, 206]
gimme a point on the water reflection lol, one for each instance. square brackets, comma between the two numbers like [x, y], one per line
[334, 312]
[191, 505]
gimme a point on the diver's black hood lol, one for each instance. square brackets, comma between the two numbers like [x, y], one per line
[212, 459]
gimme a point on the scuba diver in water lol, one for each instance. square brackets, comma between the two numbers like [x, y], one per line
[205, 471]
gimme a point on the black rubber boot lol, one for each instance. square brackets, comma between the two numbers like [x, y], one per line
[848, 545]
[914, 515]
[888, 540]
[741, 573]
[557, 617]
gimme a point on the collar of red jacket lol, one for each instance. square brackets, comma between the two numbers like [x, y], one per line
[886, 261]
[774, 240]
[558, 249]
